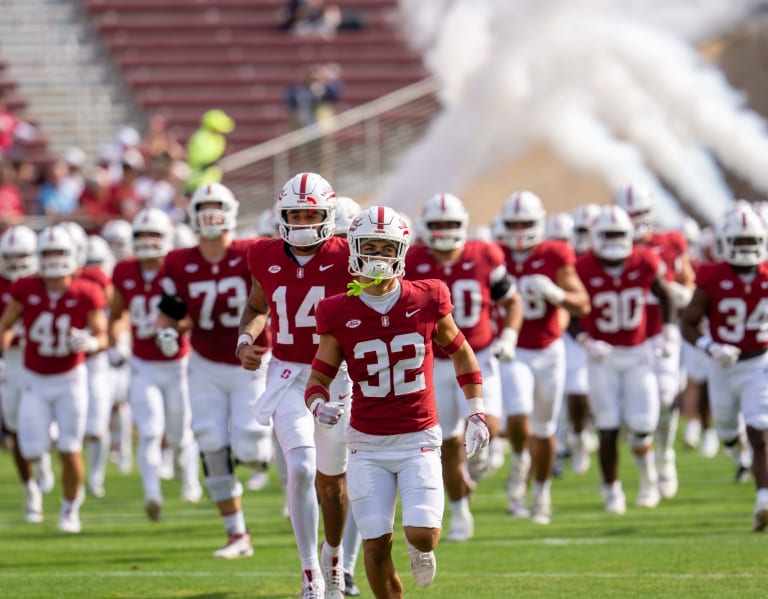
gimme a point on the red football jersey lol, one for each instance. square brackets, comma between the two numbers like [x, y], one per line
[619, 314]
[541, 326]
[141, 298]
[48, 321]
[214, 294]
[738, 311]
[469, 280]
[293, 291]
[670, 246]
[5, 298]
[95, 274]
[389, 356]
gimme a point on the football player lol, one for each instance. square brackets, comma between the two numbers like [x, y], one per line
[209, 284]
[476, 275]
[385, 327]
[622, 385]
[732, 295]
[671, 247]
[159, 390]
[291, 274]
[64, 319]
[550, 289]
[18, 259]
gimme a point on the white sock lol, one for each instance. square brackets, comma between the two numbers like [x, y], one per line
[302, 502]
[149, 456]
[462, 505]
[235, 523]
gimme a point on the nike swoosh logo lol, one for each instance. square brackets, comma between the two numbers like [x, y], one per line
[537, 263]
[409, 313]
[324, 267]
[234, 261]
[468, 265]
[343, 396]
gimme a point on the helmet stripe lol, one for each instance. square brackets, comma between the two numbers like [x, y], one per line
[303, 184]
[380, 217]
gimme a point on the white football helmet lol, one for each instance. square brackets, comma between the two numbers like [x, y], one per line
[583, 217]
[80, 238]
[638, 202]
[184, 236]
[118, 233]
[18, 252]
[761, 209]
[559, 226]
[99, 254]
[56, 252]
[306, 191]
[213, 222]
[444, 222]
[744, 238]
[152, 234]
[378, 222]
[267, 223]
[346, 210]
[612, 234]
[523, 216]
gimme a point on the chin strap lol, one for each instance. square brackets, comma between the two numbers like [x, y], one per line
[356, 287]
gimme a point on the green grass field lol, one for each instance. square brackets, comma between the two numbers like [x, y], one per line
[699, 544]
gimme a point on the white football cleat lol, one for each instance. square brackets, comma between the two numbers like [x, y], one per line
[313, 586]
[692, 434]
[462, 526]
[423, 565]
[668, 477]
[96, 490]
[45, 477]
[69, 521]
[648, 495]
[237, 546]
[516, 508]
[541, 509]
[257, 481]
[615, 501]
[33, 503]
[333, 573]
[580, 459]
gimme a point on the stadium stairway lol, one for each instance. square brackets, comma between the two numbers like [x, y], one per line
[181, 58]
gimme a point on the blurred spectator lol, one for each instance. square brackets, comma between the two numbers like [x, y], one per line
[158, 140]
[74, 157]
[206, 147]
[312, 98]
[8, 124]
[161, 188]
[125, 194]
[11, 202]
[96, 204]
[55, 199]
[318, 17]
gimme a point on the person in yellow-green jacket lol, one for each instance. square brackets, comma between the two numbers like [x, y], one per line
[206, 147]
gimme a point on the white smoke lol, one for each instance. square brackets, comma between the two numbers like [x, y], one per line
[615, 87]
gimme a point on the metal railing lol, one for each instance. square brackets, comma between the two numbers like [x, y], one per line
[353, 150]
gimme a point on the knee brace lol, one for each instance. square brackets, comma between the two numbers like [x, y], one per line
[219, 475]
[640, 440]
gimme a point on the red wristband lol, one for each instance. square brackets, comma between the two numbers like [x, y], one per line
[324, 368]
[316, 390]
[454, 345]
[470, 378]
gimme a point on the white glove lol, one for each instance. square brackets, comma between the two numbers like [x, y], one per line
[543, 286]
[504, 347]
[81, 340]
[116, 355]
[681, 295]
[723, 354]
[327, 413]
[596, 349]
[168, 342]
[477, 435]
